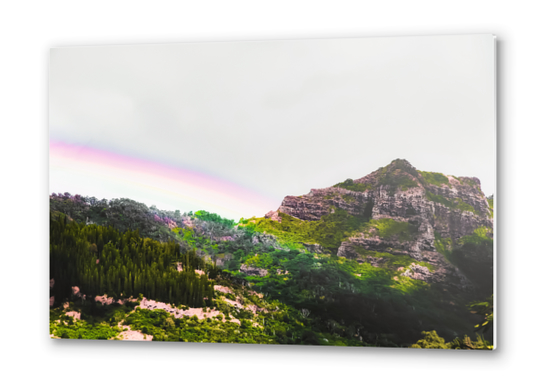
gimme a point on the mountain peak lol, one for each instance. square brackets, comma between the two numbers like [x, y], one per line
[402, 164]
[397, 210]
[394, 188]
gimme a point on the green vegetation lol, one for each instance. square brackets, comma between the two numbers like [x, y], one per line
[345, 297]
[457, 203]
[391, 262]
[485, 310]
[273, 323]
[389, 228]
[473, 255]
[481, 308]
[435, 178]
[97, 321]
[165, 327]
[330, 196]
[289, 295]
[122, 214]
[351, 186]
[348, 198]
[443, 245]
[432, 340]
[490, 203]
[398, 181]
[329, 231]
[398, 175]
[467, 343]
[213, 217]
[479, 236]
[65, 327]
[101, 261]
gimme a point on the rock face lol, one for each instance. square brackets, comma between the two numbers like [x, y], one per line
[314, 248]
[273, 215]
[253, 271]
[418, 272]
[430, 203]
[266, 239]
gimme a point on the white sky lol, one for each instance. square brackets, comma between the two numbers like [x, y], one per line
[282, 117]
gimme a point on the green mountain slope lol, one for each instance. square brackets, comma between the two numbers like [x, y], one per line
[373, 261]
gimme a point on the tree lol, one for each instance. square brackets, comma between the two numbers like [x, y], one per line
[431, 340]
[485, 310]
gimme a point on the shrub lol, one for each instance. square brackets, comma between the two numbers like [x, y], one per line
[435, 178]
[431, 340]
[457, 203]
[352, 186]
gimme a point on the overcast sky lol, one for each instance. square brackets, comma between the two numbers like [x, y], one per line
[277, 118]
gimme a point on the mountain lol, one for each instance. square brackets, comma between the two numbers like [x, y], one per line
[423, 215]
[373, 261]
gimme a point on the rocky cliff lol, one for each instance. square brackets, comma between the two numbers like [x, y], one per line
[422, 215]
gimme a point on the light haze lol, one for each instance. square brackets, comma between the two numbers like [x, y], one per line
[282, 117]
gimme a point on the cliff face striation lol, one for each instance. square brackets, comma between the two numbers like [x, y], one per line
[426, 216]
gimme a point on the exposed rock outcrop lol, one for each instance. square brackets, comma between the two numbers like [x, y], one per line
[76, 315]
[131, 335]
[266, 239]
[314, 248]
[273, 215]
[253, 271]
[418, 272]
[430, 203]
[319, 202]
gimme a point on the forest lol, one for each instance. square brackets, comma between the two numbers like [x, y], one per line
[101, 260]
[254, 281]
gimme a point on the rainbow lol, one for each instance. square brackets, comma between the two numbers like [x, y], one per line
[96, 172]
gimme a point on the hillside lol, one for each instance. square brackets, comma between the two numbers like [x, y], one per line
[371, 261]
[441, 227]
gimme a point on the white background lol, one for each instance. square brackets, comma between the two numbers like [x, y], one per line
[29, 29]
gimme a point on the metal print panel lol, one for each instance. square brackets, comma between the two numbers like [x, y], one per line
[333, 192]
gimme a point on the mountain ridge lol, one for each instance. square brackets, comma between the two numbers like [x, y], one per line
[436, 206]
[371, 261]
